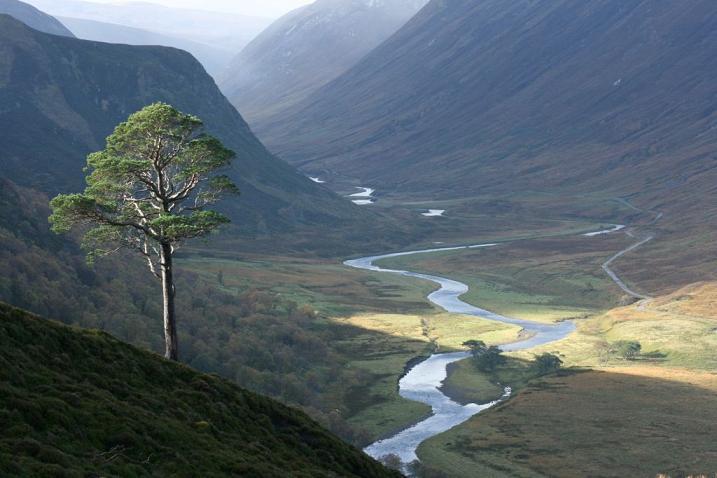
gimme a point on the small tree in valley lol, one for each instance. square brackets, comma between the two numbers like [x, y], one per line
[476, 347]
[490, 359]
[485, 358]
[627, 349]
[547, 363]
[148, 191]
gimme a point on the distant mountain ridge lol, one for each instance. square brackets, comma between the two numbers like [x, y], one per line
[33, 17]
[61, 97]
[615, 94]
[307, 48]
[225, 31]
[213, 59]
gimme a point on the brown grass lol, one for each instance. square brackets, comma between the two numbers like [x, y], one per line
[654, 415]
[636, 421]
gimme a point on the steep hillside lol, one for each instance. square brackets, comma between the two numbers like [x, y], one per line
[508, 96]
[213, 59]
[80, 403]
[255, 326]
[60, 97]
[33, 17]
[307, 48]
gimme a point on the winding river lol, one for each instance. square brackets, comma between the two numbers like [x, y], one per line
[423, 382]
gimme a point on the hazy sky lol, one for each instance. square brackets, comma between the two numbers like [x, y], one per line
[264, 8]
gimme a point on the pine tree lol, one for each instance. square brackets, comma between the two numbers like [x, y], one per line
[148, 191]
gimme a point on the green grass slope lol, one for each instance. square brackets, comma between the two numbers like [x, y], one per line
[79, 403]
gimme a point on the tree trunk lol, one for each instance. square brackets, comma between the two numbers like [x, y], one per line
[171, 350]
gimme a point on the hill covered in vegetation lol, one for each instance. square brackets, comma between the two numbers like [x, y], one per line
[81, 403]
[271, 344]
[61, 97]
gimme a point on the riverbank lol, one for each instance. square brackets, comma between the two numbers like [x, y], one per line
[466, 384]
[634, 421]
[373, 345]
[422, 384]
[625, 417]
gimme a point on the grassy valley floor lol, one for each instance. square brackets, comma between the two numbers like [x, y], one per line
[605, 416]
[382, 322]
[371, 327]
[544, 280]
[624, 421]
[378, 407]
[547, 273]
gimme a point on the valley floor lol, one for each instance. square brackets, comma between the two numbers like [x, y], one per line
[604, 416]
[609, 422]
[546, 271]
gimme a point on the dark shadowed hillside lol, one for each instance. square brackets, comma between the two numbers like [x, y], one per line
[33, 17]
[60, 97]
[80, 403]
[306, 49]
[523, 94]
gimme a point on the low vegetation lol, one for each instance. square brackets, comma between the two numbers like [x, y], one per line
[389, 345]
[80, 403]
[676, 330]
[543, 280]
[327, 285]
[483, 378]
[311, 333]
[625, 349]
[304, 331]
[645, 373]
[577, 424]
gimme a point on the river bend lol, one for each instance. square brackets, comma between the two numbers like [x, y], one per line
[422, 383]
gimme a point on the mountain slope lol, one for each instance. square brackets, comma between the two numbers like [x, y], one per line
[611, 94]
[213, 59]
[226, 31]
[307, 48]
[33, 17]
[60, 97]
[81, 403]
